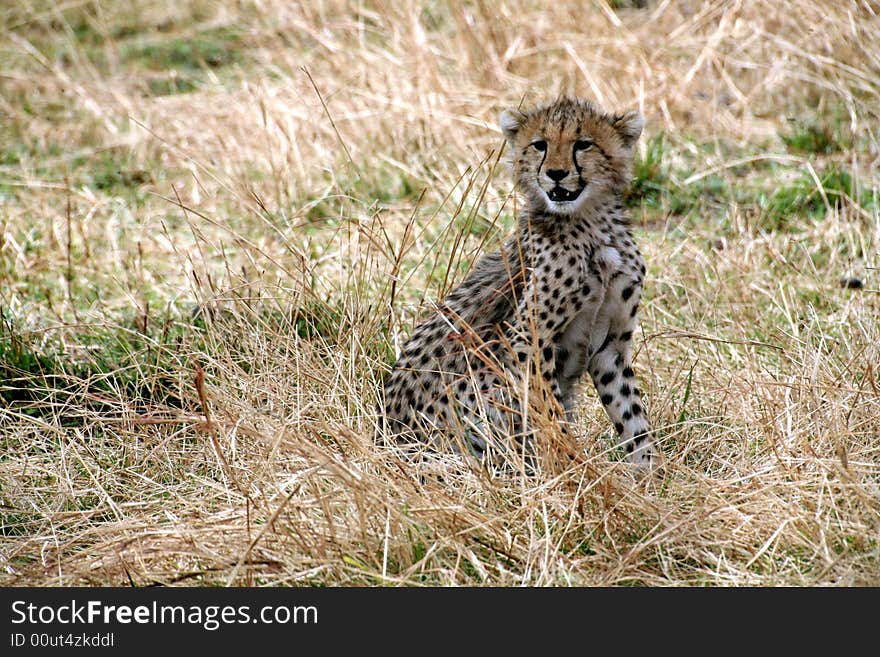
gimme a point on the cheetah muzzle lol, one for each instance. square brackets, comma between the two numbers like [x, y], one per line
[506, 349]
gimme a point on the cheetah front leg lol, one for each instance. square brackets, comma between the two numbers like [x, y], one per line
[610, 367]
[531, 354]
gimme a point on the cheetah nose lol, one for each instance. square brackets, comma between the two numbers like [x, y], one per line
[556, 175]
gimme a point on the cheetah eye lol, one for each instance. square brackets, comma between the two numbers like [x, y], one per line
[539, 145]
[583, 144]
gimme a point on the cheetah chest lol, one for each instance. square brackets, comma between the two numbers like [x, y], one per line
[587, 324]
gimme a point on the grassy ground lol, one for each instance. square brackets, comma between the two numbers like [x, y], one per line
[218, 223]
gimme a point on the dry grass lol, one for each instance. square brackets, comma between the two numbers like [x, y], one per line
[311, 176]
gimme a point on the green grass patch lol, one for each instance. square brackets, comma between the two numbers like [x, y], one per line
[210, 49]
[115, 366]
[763, 188]
[788, 204]
[175, 65]
[654, 188]
[111, 171]
[812, 138]
[650, 181]
[171, 85]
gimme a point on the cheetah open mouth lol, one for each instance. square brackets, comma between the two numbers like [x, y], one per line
[561, 195]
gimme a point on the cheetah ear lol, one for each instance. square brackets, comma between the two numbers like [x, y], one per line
[629, 127]
[511, 120]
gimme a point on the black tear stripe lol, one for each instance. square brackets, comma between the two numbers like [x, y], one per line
[581, 182]
[541, 165]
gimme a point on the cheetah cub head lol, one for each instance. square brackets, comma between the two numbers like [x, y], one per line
[570, 152]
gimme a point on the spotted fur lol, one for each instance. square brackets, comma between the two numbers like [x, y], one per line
[558, 300]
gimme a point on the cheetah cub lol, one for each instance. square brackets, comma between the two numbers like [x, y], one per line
[558, 299]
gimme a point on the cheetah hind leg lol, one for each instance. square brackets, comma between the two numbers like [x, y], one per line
[493, 434]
